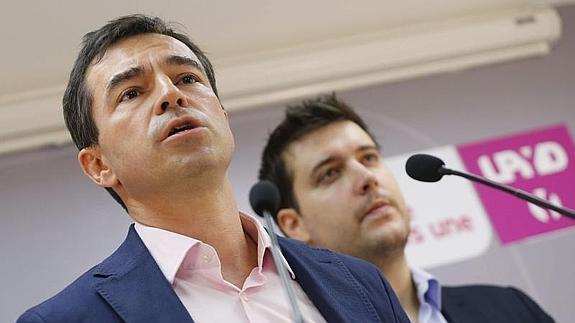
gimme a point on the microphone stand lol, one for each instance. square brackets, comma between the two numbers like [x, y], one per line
[517, 192]
[276, 253]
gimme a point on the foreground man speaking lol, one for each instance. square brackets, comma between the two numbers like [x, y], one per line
[142, 107]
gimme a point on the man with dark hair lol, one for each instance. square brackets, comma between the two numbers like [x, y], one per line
[337, 193]
[77, 104]
[142, 107]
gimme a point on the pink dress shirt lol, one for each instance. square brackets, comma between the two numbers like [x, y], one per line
[193, 269]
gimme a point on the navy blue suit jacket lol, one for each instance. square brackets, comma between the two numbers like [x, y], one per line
[129, 286]
[480, 304]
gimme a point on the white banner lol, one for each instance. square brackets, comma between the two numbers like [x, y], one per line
[449, 223]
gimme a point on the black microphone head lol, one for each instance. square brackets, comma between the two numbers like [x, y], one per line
[265, 196]
[425, 168]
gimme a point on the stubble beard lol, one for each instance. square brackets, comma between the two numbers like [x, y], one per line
[386, 246]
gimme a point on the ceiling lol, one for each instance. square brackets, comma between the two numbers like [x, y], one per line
[41, 38]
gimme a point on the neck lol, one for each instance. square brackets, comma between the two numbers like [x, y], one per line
[208, 214]
[398, 274]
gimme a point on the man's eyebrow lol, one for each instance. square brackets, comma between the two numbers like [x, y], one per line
[331, 159]
[183, 60]
[124, 76]
[368, 147]
[322, 163]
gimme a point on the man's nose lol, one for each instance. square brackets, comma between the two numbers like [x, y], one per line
[170, 97]
[367, 180]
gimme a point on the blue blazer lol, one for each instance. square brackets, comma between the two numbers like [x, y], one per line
[129, 286]
[480, 304]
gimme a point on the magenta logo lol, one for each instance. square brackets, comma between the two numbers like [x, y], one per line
[539, 162]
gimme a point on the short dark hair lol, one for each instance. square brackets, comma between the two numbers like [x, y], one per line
[77, 100]
[301, 120]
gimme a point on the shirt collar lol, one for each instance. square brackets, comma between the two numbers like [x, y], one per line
[255, 229]
[428, 288]
[169, 248]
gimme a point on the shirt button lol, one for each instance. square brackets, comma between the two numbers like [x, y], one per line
[244, 297]
[205, 257]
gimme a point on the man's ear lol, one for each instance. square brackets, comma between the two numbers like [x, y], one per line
[96, 168]
[293, 225]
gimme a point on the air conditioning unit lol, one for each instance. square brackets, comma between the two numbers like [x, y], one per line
[35, 119]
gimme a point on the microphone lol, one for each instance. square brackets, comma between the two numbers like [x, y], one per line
[265, 196]
[265, 200]
[427, 168]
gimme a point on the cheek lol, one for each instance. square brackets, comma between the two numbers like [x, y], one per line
[125, 125]
[327, 209]
[223, 126]
[337, 196]
[205, 94]
[156, 128]
[232, 140]
[389, 181]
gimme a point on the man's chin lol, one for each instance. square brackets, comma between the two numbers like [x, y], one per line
[390, 236]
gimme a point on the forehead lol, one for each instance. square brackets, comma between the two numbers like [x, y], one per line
[135, 51]
[338, 139]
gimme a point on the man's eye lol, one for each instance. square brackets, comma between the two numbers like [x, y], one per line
[370, 158]
[328, 176]
[129, 95]
[188, 79]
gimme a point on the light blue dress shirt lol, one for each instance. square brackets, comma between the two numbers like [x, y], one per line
[429, 295]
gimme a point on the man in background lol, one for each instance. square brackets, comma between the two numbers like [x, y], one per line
[143, 109]
[337, 193]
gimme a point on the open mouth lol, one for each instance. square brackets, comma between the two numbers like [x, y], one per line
[181, 128]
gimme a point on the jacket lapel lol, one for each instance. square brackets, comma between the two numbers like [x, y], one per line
[134, 286]
[328, 283]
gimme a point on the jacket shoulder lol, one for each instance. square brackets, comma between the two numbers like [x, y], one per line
[80, 300]
[503, 302]
[75, 302]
